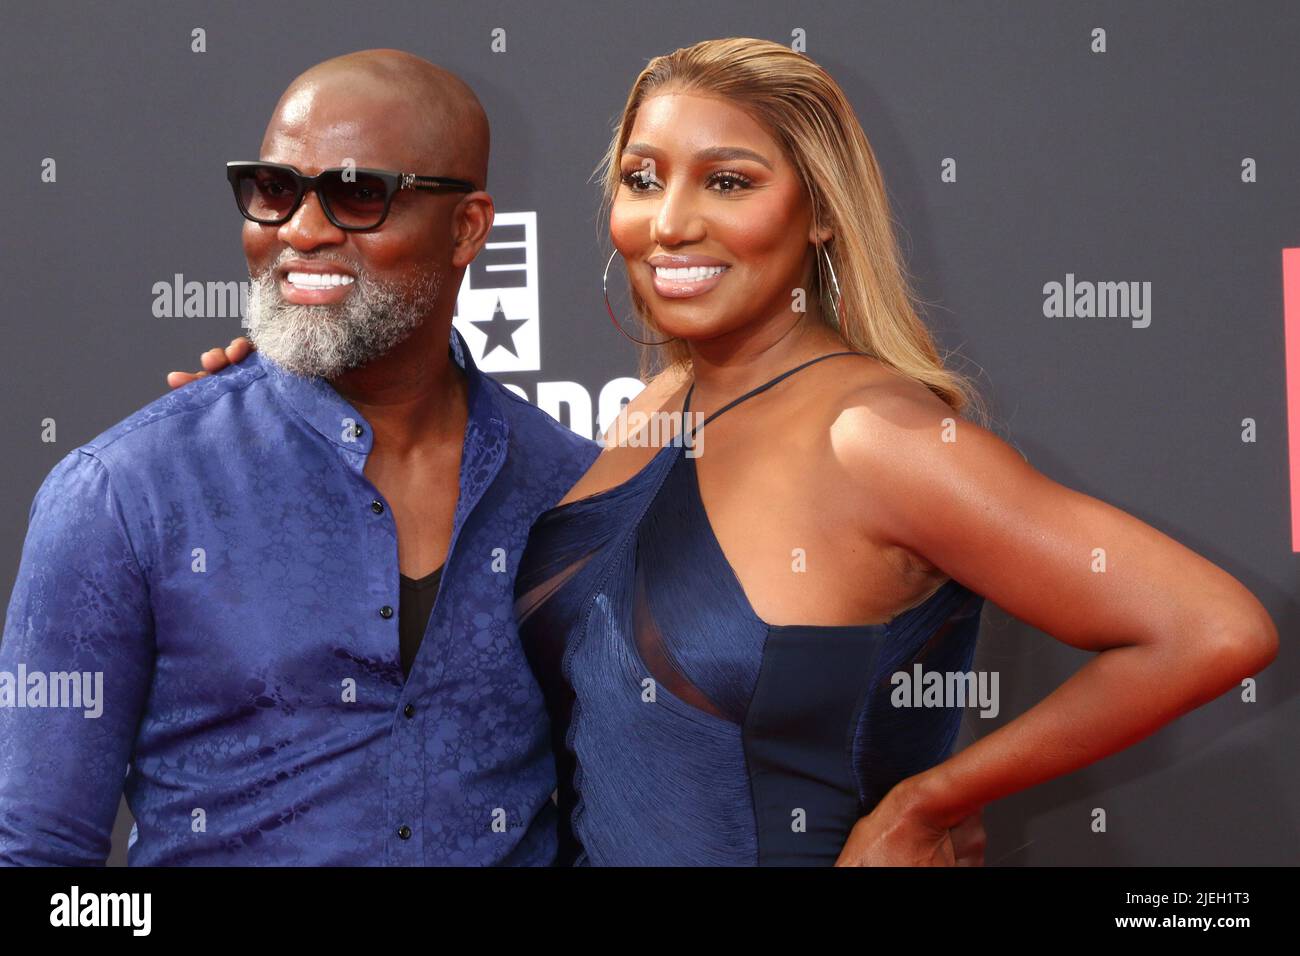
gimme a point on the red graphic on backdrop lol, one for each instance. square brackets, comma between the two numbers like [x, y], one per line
[1291, 331]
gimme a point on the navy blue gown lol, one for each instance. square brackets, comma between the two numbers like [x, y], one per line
[686, 730]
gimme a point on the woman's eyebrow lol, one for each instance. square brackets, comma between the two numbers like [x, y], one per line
[711, 154]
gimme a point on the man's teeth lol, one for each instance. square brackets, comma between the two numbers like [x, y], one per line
[319, 280]
[690, 273]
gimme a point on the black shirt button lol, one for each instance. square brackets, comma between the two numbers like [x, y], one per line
[377, 506]
[385, 612]
[409, 711]
[357, 430]
[404, 832]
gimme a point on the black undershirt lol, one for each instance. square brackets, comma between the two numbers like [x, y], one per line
[413, 612]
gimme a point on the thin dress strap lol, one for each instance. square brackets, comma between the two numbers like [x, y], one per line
[686, 404]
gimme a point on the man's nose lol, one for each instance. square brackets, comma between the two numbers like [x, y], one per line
[309, 227]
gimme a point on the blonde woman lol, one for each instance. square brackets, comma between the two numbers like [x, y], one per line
[720, 621]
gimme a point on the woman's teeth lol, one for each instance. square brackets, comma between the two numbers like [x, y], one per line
[690, 273]
[319, 280]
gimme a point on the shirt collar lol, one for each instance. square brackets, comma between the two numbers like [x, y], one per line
[316, 401]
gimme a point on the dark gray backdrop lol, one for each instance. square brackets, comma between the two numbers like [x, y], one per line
[1117, 166]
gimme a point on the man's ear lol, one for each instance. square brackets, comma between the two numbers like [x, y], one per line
[473, 218]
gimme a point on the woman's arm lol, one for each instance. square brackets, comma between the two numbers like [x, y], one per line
[1173, 631]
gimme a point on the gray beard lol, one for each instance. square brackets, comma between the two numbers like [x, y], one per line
[326, 340]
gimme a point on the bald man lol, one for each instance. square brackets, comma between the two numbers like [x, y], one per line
[274, 607]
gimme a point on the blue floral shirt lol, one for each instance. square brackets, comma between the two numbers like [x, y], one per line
[205, 618]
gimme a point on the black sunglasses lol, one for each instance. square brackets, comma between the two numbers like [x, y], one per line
[353, 198]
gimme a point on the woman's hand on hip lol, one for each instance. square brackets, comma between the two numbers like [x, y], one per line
[897, 833]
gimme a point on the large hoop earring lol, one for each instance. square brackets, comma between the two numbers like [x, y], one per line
[604, 284]
[835, 284]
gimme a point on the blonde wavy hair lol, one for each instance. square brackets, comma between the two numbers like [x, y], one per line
[809, 115]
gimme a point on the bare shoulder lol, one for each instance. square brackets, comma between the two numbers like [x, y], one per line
[882, 445]
[660, 393]
[851, 401]
[662, 387]
[903, 453]
[881, 403]
[891, 426]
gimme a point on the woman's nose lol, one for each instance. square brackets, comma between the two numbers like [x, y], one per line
[677, 219]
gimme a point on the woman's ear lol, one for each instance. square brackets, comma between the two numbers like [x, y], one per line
[818, 236]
